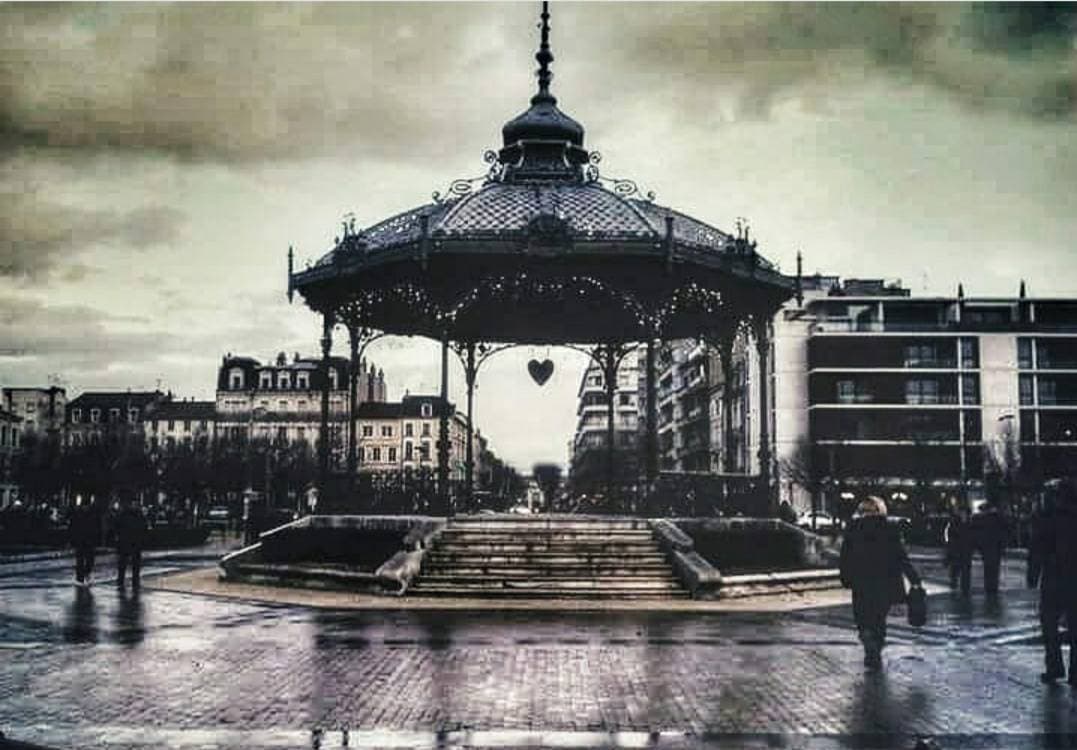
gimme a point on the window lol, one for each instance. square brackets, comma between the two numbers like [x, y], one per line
[202, 424]
[368, 430]
[973, 426]
[424, 452]
[282, 405]
[235, 379]
[392, 455]
[76, 440]
[284, 381]
[970, 389]
[408, 429]
[846, 392]
[1047, 392]
[3, 434]
[302, 381]
[301, 433]
[626, 399]
[282, 434]
[407, 452]
[334, 378]
[265, 380]
[76, 415]
[186, 425]
[132, 415]
[1024, 387]
[426, 429]
[377, 454]
[922, 392]
[171, 425]
[970, 356]
[113, 416]
[920, 355]
[1027, 425]
[427, 410]
[95, 415]
[386, 430]
[1024, 354]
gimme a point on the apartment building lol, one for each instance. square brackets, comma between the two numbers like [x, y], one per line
[587, 450]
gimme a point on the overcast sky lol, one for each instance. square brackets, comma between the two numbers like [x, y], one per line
[156, 161]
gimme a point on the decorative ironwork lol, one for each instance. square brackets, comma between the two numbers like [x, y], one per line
[621, 186]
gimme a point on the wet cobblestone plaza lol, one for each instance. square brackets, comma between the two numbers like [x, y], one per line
[163, 669]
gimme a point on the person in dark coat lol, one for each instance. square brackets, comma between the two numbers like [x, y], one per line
[874, 564]
[959, 549]
[989, 534]
[130, 527]
[84, 530]
[1052, 557]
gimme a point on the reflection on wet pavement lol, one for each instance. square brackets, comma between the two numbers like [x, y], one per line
[108, 667]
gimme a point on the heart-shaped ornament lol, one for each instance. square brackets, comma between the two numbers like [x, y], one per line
[540, 371]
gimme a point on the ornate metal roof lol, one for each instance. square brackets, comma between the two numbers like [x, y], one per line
[543, 210]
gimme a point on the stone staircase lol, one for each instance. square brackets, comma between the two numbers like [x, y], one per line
[563, 557]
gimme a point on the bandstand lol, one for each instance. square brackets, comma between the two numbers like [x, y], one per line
[543, 249]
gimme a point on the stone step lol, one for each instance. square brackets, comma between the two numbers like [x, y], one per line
[543, 571]
[547, 545]
[572, 582]
[540, 557]
[544, 533]
[514, 523]
[547, 593]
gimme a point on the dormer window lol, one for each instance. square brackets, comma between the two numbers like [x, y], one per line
[427, 410]
[265, 380]
[113, 415]
[76, 416]
[132, 415]
[284, 381]
[235, 379]
[302, 381]
[334, 378]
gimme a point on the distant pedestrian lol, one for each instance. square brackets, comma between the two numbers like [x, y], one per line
[1052, 564]
[85, 534]
[130, 525]
[874, 564]
[989, 533]
[958, 539]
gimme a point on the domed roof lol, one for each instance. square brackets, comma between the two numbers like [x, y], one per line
[542, 248]
[588, 212]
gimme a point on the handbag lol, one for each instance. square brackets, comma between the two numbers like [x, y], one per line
[916, 606]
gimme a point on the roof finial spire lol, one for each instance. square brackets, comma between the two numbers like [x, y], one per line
[544, 58]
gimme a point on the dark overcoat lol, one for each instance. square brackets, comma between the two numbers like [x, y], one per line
[874, 562]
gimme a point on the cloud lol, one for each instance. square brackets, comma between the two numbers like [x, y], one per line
[238, 81]
[1017, 58]
[39, 236]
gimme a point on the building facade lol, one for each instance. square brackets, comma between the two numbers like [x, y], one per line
[401, 437]
[10, 442]
[94, 416]
[282, 401]
[42, 410]
[190, 424]
[922, 396]
[587, 450]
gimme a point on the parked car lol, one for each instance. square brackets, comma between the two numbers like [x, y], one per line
[218, 515]
[823, 521]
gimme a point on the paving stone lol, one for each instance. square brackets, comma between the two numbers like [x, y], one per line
[105, 669]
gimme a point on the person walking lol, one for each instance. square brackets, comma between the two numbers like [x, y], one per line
[1052, 556]
[959, 548]
[84, 530]
[873, 563]
[989, 534]
[130, 524]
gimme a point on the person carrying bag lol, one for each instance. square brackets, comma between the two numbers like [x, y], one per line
[874, 564]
